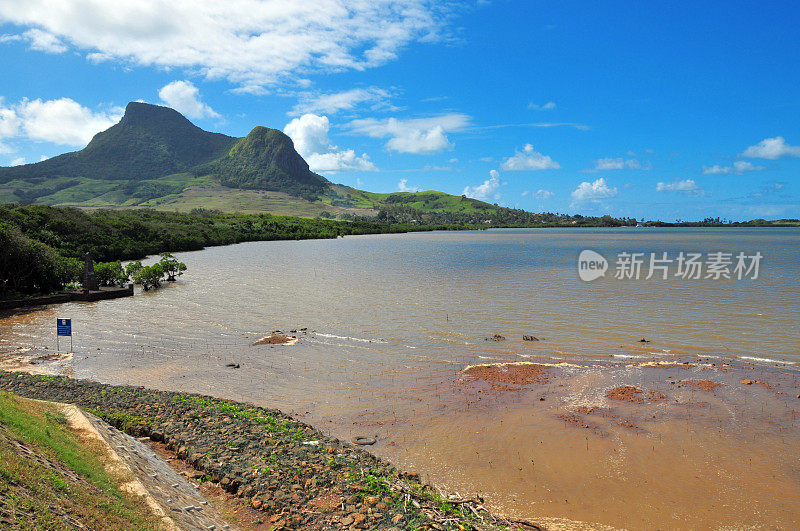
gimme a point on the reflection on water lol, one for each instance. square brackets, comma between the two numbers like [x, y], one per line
[393, 319]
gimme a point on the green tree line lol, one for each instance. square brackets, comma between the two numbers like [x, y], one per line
[43, 246]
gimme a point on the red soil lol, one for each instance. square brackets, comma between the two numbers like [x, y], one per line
[514, 374]
[655, 396]
[575, 420]
[705, 385]
[274, 339]
[626, 393]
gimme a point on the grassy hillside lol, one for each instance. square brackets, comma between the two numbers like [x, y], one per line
[54, 479]
[183, 192]
[154, 157]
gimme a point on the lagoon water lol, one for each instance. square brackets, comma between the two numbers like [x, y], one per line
[392, 320]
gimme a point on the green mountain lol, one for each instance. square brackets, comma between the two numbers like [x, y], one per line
[266, 160]
[149, 141]
[154, 157]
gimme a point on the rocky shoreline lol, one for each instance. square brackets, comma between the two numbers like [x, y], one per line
[299, 477]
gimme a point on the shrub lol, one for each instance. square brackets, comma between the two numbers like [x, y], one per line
[110, 274]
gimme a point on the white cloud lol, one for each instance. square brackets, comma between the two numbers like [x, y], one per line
[310, 136]
[549, 106]
[404, 187]
[619, 164]
[184, 97]
[529, 159]
[768, 189]
[9, 122]
[44, 41]
[10, 38]
[487, 191]
[543, 194]
[420, 141]
[19, 161]
[417, 135]
[62, 121]
[772, 148]
[687, 185]
[341, 101]
[309, 133]
[249, 42]
[594, 191]
[739, 167]
[334, 161]
[97, 57]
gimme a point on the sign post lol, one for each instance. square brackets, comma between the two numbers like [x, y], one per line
[63, 328]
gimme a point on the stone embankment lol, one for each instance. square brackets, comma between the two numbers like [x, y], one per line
[297, 476]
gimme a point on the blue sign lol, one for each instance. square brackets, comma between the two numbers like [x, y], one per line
[64, 327]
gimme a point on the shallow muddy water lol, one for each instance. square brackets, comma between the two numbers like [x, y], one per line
[393, 320]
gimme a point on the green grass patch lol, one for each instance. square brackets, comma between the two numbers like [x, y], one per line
[122, 420]
[59, 479]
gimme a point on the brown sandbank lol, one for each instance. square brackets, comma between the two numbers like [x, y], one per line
[276, 338]
[519, 373]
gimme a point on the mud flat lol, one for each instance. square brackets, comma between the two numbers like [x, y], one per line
[678, 442]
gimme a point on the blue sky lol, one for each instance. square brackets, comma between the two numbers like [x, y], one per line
[659, 110]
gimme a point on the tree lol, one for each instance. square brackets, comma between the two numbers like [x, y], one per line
[149, 276]
[110, 274]
[26, 266]
[171, 266]
[70, 270]
[132, 268]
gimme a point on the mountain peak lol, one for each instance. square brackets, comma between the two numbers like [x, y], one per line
[151, 141]
[266, 159]
[261, 137]
[147, 114]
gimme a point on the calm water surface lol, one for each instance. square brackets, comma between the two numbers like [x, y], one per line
[393, 319]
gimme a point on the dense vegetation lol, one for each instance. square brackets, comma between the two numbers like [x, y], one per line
[266, 160]
[474, 212]
[150, 277]
[440, 208]
[718, 222]
[43, 246]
